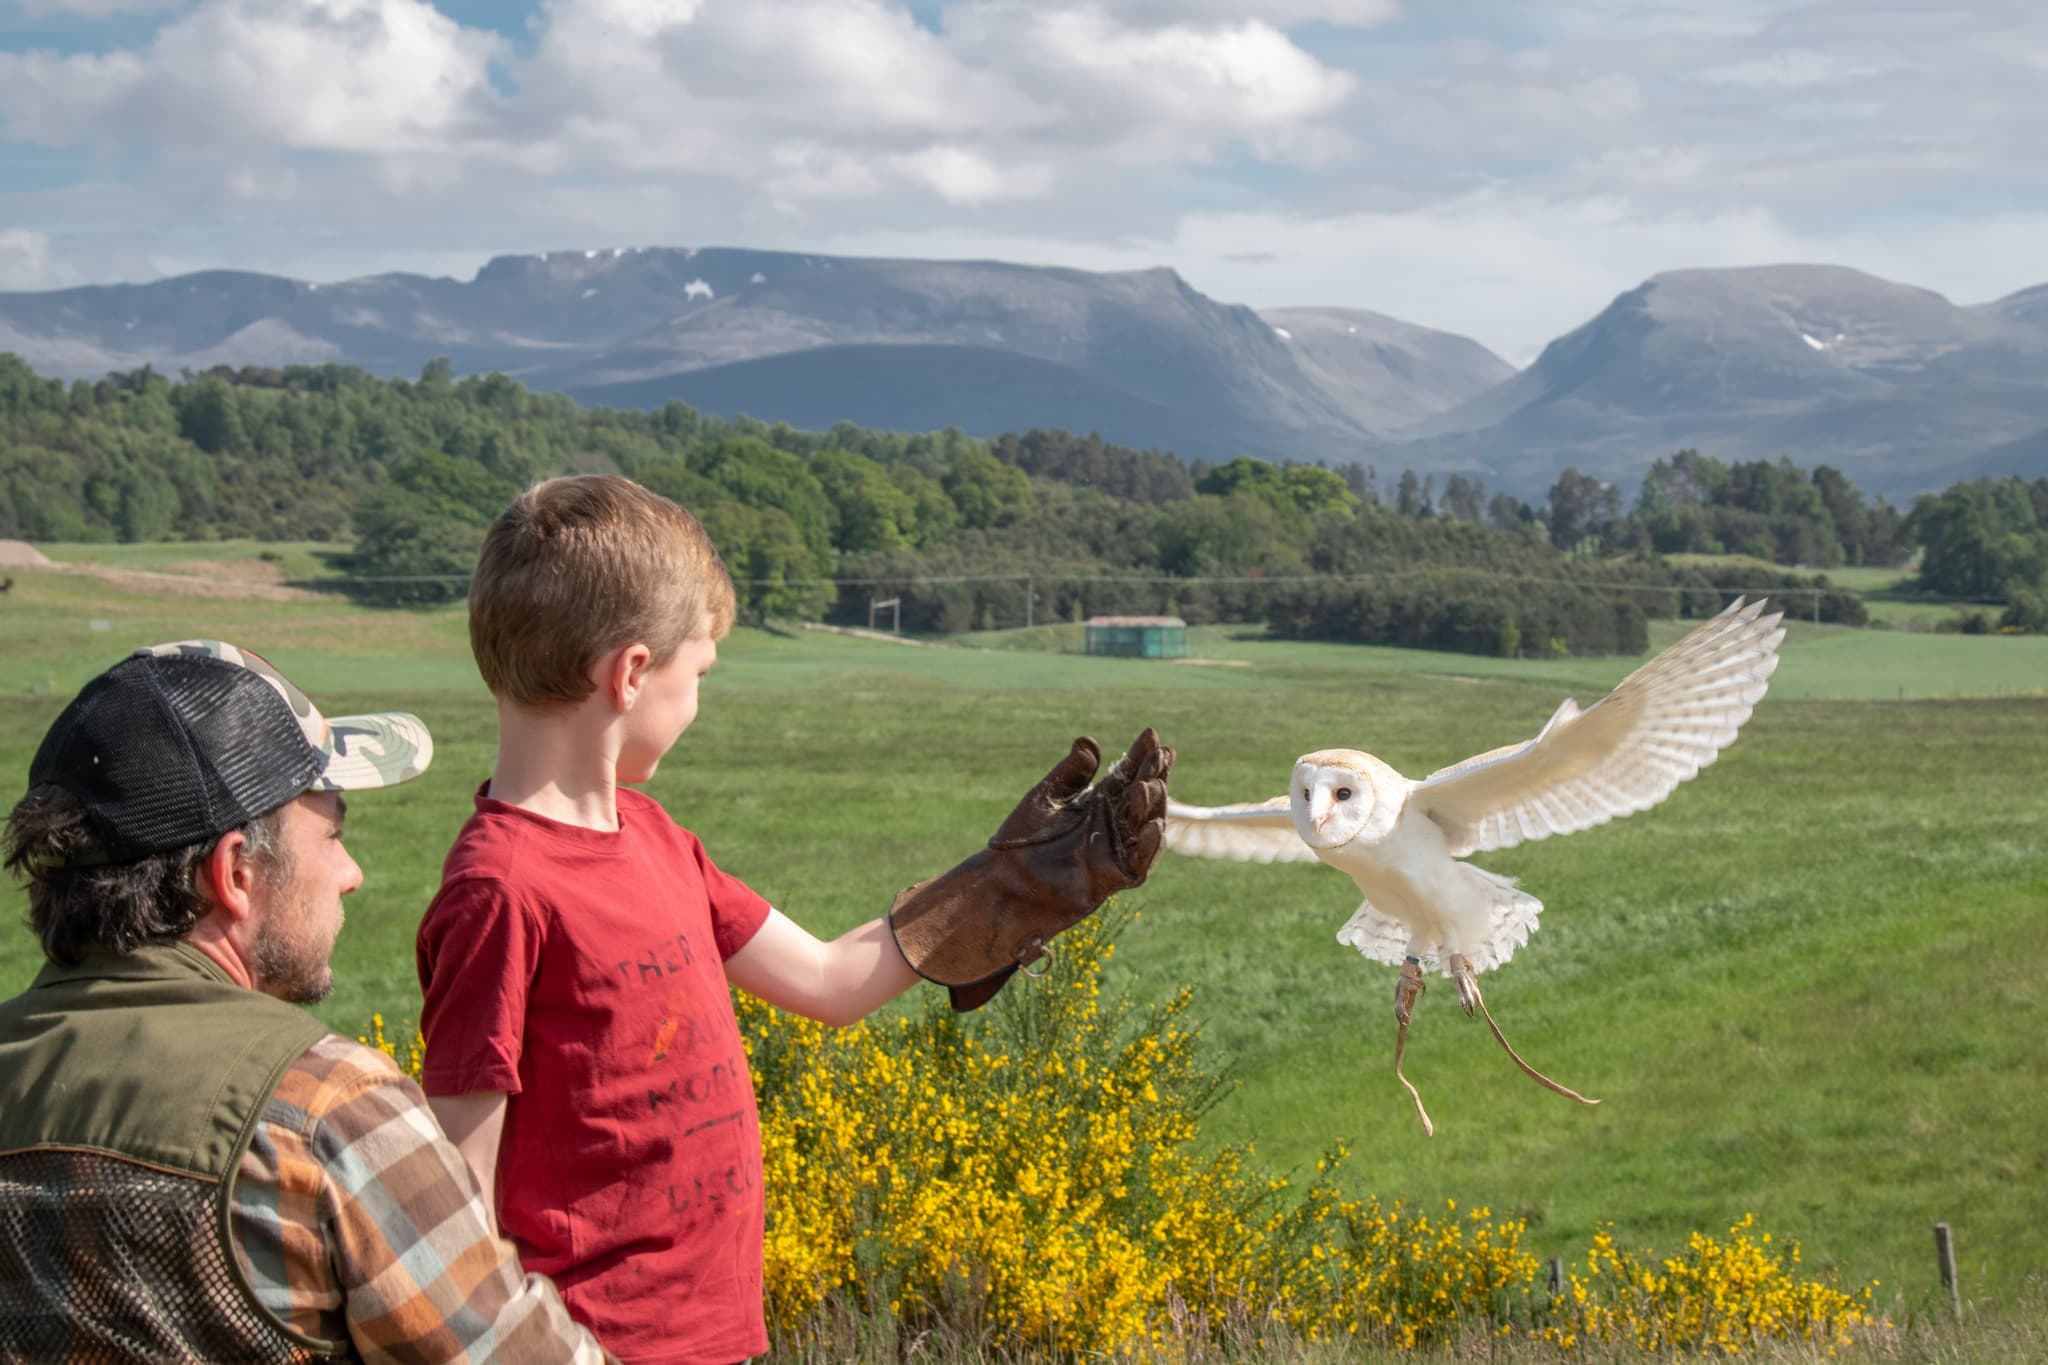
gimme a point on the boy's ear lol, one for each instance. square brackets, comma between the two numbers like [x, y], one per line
[622, 673]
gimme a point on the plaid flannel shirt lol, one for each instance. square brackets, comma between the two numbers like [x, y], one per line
[357, 1219]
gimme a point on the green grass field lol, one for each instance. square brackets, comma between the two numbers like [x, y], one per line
[1806, 987]
[294, 559]
[1891, 595]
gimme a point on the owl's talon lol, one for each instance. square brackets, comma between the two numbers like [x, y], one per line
[1468, 983]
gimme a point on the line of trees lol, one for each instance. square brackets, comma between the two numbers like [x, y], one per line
[1987, 541]
[1688, 503]
[409, 472]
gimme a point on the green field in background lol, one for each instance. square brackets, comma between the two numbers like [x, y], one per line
[293, 558]
[1891, 595]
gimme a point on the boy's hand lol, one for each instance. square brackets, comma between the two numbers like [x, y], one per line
[1064, 850]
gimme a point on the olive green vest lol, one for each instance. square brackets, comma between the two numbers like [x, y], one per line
[130, 1086]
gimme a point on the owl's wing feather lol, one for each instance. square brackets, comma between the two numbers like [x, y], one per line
[1623, 754]
[1261, 833]
[1380, 936]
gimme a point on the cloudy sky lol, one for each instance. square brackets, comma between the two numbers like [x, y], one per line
[1500, 168]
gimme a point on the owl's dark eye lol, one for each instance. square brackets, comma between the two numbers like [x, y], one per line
[1343, 793]
[1305, 794]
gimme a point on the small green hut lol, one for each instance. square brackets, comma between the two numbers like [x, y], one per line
[1138, 637]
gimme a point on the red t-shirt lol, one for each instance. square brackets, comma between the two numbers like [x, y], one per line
[582, 972]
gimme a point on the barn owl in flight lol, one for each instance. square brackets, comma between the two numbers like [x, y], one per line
[1402, 841]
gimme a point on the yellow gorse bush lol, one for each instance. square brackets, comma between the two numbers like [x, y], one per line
[1036, 1176]
[1030, 1176]
[1723, 1297]
[409, 1050]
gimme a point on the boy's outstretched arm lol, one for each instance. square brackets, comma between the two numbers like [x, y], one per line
[836, 983]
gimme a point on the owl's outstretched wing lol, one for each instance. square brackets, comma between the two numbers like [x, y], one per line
[1625, 753]
[1262, 833]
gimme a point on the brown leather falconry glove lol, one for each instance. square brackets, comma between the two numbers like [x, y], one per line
[1062, 852]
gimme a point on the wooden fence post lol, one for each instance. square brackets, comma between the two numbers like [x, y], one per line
[1556, 1276]
[1945, 1254]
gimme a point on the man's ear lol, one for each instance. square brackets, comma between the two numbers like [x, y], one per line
[622, 673]
[227, 875]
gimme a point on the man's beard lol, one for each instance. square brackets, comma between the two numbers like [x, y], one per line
[287, 965]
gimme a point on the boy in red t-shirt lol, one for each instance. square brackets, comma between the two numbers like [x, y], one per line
[580, 1042]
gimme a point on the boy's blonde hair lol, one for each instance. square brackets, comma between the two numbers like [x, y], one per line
[577, 567]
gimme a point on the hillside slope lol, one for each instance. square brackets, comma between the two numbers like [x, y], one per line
[1140, 355]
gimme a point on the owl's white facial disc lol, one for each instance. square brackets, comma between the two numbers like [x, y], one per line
[1330, 805]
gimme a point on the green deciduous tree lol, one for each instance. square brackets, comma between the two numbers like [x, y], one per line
[986, 491]
[870, 511]
[1582, 511]
[761, 476]
[1982, 540]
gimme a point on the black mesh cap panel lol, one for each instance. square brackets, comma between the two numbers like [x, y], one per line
[167, 751]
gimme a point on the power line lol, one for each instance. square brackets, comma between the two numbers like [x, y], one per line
[1050, 576]
[1082, 579]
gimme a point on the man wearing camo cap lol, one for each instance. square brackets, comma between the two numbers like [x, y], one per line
[190, 1167]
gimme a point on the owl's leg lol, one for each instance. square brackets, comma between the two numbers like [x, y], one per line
[1468, 994]
[1408, 987]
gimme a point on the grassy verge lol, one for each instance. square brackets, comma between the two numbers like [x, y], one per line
[1995, 1337]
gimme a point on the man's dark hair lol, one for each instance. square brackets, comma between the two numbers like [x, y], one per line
[75, 902]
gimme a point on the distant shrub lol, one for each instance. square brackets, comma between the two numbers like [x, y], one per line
[2027, 611]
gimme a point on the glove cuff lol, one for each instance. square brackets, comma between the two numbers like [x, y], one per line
[973, 997]
[959, 930]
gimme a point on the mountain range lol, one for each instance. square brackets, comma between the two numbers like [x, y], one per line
[1895, 385]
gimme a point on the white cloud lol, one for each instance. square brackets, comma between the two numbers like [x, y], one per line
[360, 76]
[24, 259]
[836, 68]
[1628, 19]
[1116, 81]
[846, 94]
[633, 19]
[95, 9]
[960, 176]
[804, 171]
[1792, 68]
[1279, 13]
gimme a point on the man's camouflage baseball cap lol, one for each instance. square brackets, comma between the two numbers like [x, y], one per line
[179, 743]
